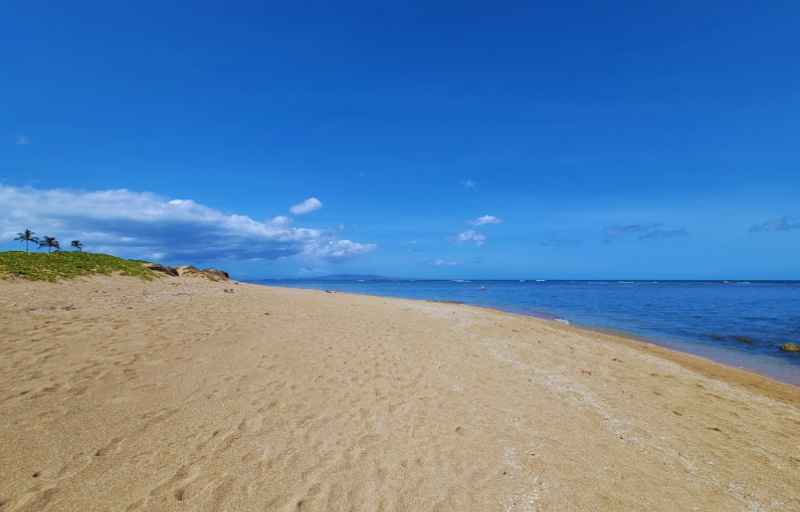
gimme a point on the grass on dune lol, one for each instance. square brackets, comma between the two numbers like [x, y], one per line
[65, 265]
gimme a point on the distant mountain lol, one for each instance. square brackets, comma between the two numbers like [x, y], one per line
[351, 277]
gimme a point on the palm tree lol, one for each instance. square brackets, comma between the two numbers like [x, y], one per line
[27, 236]
[77, 244]
[50, 242]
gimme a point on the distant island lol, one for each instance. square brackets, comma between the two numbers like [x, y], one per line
[351, 277]
[335, 277]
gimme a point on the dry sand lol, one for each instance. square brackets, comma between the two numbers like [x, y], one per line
[119, 394]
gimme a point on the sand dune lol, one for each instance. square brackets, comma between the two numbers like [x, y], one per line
[117, 394]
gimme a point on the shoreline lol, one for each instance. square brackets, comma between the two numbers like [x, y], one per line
[707, 353]
[707, 367]
[719, 356]
[120, 394]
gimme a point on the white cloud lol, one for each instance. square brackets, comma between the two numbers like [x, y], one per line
[468, 184]
[309, 205]
[486, 219]
[281, 221]
[338, 251]
[409, 244]
[21, 140]
[145, 225]
[439, 263]
[469, 236]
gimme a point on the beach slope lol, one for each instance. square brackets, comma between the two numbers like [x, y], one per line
[179, 394]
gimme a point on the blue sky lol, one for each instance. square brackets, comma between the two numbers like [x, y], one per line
[600, 140]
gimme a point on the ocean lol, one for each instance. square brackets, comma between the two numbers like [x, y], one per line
[738, 323]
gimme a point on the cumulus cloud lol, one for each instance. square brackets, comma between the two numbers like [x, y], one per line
[148, 226]
[646, 231]
[468, 184]
[486, 219]
[469, 236]
[775, 225]
[281, 220]
[309, 205]
[554, 239]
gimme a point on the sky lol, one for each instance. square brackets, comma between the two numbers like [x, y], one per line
[435, 139]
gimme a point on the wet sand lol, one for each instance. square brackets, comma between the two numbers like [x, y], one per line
[118, 394]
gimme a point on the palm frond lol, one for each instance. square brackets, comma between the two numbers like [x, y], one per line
[26, 236]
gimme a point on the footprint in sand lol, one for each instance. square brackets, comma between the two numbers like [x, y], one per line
[251, 425]
[109, 448]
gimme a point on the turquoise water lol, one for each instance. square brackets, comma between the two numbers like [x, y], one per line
[741, 324]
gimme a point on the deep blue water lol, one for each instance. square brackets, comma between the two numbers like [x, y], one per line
[739, 324]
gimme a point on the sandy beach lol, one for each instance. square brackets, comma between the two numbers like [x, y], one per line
[118, 394]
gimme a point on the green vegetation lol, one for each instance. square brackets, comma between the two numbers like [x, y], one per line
[64, 265]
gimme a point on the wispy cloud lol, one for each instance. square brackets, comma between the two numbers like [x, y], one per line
[468, 184]
[666, 233]
[486, 219]
[785, 223]
[469, 236]
[337, 251]
[20, 140]
[411, 242]
[439, 263]
[309, 205]
[309, 272]
[647, 231]
[554, 239]
[616, 231]
[148, 226]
